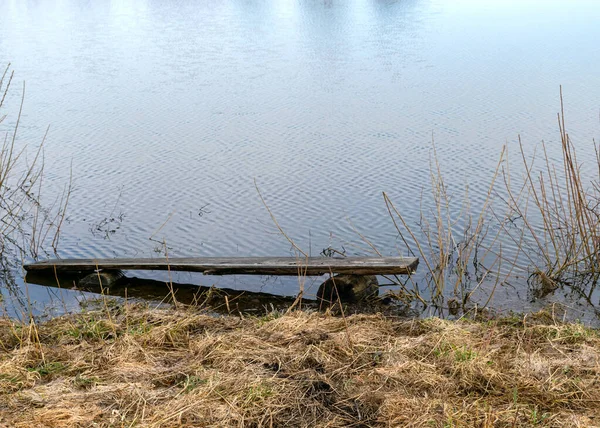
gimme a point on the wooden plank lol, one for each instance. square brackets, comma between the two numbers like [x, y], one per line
[242, 265]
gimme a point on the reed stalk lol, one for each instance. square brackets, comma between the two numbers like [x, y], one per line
[549, 216]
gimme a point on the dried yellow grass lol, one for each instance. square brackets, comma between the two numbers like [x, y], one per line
[165, 367]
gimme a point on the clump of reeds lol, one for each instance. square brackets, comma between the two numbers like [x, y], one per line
[449, 240]
[559, 209]
[26, 224]
[549, 217]
[161, 368]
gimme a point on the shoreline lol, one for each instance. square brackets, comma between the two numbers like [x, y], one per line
[131, 365]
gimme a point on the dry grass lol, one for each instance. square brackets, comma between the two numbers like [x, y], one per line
[151, 367]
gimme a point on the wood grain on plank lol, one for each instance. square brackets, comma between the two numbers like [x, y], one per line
[242, 265]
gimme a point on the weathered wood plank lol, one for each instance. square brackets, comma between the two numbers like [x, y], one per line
[242, 265]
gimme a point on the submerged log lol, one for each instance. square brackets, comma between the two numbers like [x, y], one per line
[348, 288]
[105, 278]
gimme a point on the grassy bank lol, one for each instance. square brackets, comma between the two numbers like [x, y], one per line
[135, 366]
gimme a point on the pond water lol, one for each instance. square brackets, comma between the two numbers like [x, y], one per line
[166, 113]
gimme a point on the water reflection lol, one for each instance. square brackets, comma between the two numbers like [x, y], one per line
[218, 300]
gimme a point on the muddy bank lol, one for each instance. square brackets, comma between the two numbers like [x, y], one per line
[135, 366]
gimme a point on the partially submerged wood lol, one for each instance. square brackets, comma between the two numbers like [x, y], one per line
[221, 300]
[242, 265]
[103, 278]
[348, 288]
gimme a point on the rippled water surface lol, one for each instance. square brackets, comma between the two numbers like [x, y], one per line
[168, 111]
